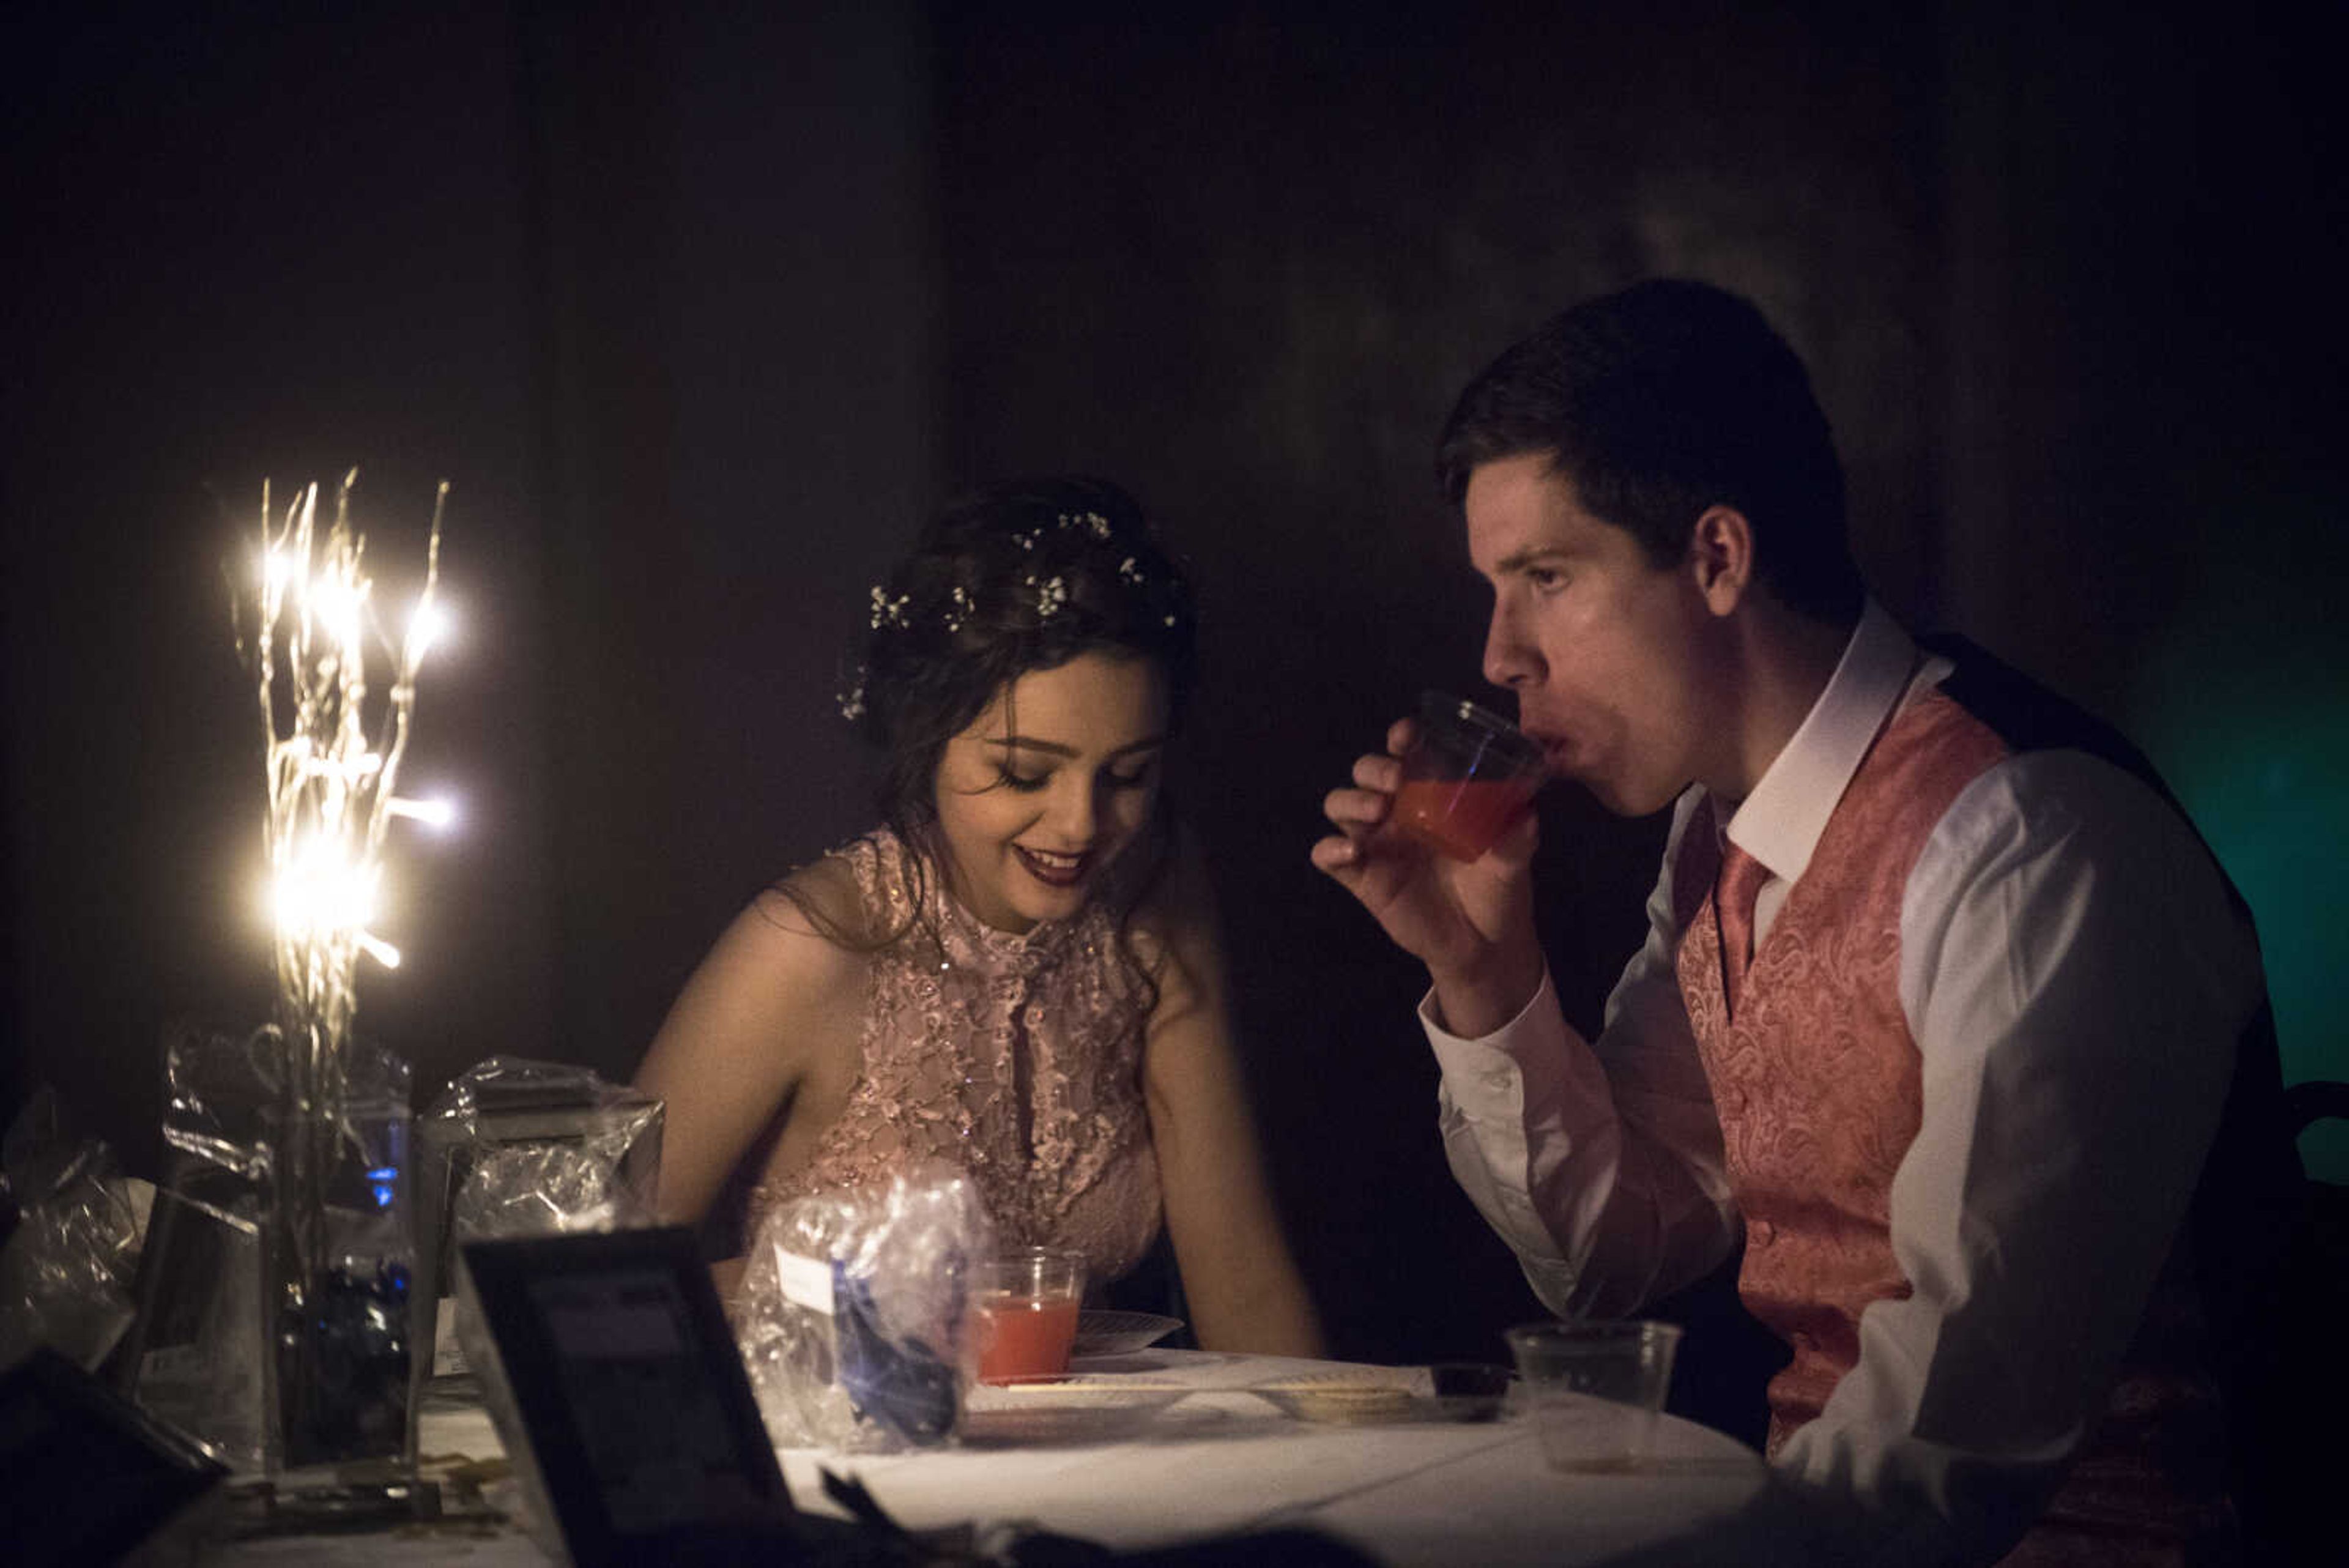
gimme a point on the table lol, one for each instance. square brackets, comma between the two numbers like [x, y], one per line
[1216, 1461]
[1223, 1460]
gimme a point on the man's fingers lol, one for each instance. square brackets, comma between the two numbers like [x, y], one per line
[1341, 857]
[1358, 813]
[1355, 811]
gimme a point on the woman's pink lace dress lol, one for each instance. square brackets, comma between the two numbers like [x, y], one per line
[1017, 1057]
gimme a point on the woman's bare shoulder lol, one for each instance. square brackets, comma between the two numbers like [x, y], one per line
[1177, 899]
[775, 1006]
[1174, 924]
[821, 917]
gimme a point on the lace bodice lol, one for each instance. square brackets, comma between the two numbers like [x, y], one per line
[1017, 1057]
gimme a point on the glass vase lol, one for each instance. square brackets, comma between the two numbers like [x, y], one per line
[274, 1302]
[339, 1255]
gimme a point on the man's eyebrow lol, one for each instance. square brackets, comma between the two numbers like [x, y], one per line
[1518, 560]
[1054, 748]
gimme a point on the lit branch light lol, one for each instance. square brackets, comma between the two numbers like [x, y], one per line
[430, 812]
[331, 782]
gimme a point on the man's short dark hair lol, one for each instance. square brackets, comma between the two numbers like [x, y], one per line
[1656, 403]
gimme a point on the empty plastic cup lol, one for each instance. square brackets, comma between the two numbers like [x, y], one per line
[1595, 1388]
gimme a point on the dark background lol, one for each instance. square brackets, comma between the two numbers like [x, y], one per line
[700, 308]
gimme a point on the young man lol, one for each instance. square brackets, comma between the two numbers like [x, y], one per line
[1943, 1005]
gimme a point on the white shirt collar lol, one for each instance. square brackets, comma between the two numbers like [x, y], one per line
[1780, 823]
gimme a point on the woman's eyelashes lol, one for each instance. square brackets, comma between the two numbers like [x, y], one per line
[1029, 784]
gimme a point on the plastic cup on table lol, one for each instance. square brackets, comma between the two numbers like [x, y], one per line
[1026, 1313]
[1595, 1388]
[1468, 776]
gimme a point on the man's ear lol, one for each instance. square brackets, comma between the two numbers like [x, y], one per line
[1721, 558]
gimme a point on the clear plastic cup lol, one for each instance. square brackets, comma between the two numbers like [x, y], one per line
[1595, 1388]
[1468, 776]
[1025, 1312]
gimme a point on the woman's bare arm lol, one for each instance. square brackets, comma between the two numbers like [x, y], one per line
[756, 1021]
[1239, 1279]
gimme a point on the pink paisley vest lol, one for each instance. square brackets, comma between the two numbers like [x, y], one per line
[1816, 1082]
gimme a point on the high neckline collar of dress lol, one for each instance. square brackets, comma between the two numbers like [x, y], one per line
[961, 927]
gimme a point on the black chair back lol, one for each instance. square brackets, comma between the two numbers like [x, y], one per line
[2289, 1424]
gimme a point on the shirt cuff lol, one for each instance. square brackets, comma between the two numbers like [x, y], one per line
[1486, 1077]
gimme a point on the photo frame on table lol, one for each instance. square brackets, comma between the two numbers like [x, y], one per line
[638, 1432]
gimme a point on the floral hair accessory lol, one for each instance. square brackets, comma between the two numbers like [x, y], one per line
[1050, 595]
[958, 609]
[1092, 520]
[885, 609]
[852, 701]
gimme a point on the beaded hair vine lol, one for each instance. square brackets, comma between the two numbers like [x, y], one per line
[1050, 595]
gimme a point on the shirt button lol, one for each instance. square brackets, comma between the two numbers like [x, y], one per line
[1497, 1080]
[1761, 1232]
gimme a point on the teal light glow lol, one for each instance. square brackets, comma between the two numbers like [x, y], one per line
[2244, 706]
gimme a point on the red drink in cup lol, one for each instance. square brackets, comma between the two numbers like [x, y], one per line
[1470, 775]
[1025, 1313]
[1461, 817]
[1021, 1337]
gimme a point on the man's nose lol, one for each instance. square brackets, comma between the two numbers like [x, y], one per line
[1511, 658]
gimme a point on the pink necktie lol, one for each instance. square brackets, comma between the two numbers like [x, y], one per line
[1740, 879]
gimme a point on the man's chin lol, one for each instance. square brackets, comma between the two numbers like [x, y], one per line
[1619, 800]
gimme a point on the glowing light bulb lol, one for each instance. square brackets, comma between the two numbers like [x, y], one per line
[438, 812]
[430, 627]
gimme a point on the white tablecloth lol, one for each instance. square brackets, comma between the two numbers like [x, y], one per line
[1214, 1461]
[1223, 1460]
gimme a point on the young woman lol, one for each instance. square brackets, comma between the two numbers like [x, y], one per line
[1018, 970]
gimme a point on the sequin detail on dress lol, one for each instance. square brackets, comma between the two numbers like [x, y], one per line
[1017, 1057]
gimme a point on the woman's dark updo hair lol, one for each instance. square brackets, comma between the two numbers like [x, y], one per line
[1023, 575]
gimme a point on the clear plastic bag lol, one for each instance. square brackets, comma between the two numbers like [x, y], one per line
[851, 1313]
[230, 1308]
[518, 1148]
[199, 1344]
[67, 1268]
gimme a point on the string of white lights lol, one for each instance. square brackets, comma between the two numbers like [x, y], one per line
[332, 786]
